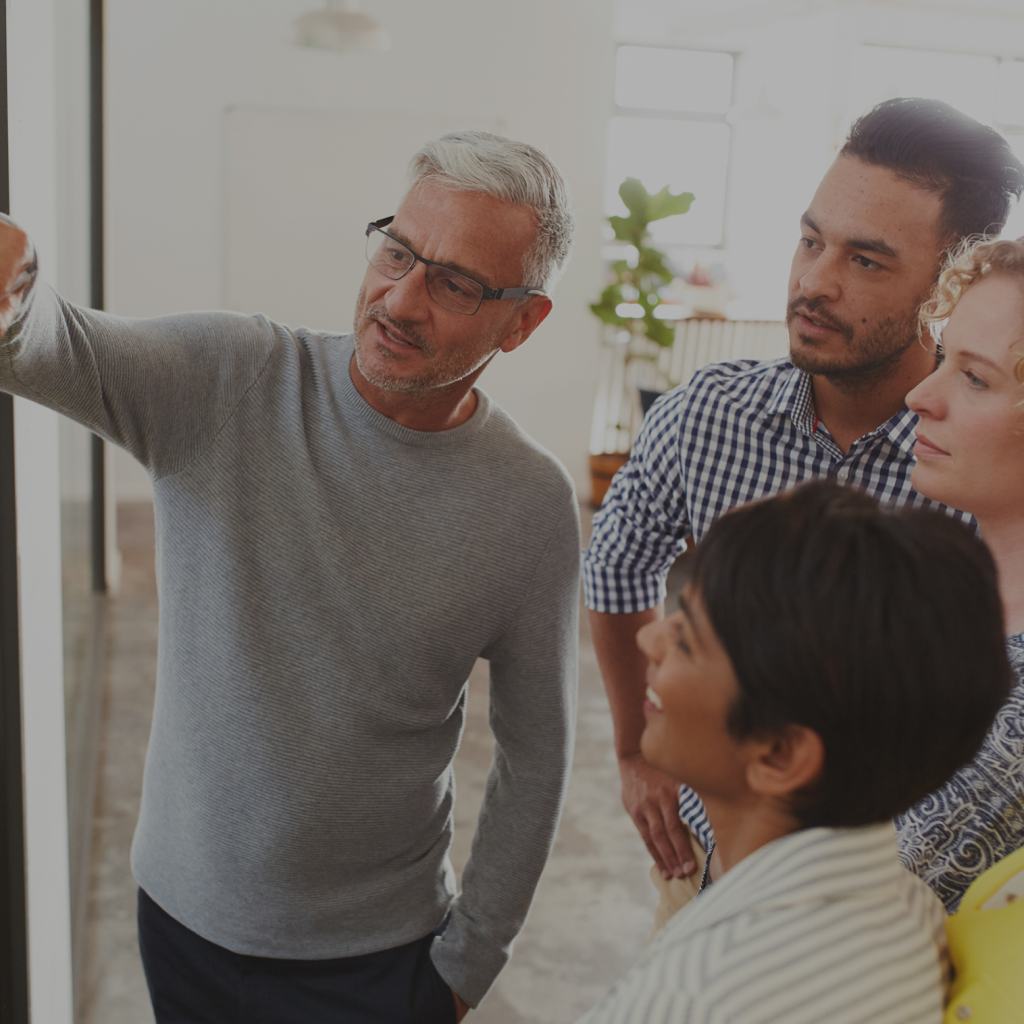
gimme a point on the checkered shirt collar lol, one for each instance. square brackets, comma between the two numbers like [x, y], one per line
[791, 396]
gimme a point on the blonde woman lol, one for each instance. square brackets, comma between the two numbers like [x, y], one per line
[970, 455]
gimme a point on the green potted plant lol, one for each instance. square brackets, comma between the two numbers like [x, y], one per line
[636, 281]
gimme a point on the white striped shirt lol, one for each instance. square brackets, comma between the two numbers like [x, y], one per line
[823, 925]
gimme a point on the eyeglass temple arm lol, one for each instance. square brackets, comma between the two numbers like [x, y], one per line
[511, 293]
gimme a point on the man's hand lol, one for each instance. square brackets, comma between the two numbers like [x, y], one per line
[652, 799]
[650, 796]
[461, 1006]
[17, 269]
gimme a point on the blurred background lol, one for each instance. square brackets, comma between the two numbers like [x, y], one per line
[203, 154]
[242, 169]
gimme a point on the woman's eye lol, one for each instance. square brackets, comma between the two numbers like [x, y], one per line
[679, 636]
[974, 381]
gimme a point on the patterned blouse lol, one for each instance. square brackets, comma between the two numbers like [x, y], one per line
[951, 836]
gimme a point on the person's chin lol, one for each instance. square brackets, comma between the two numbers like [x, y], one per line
[803, 350]
[816, 359]
[928, 480]
[649, 742]
[809, 360]
[654, 748]
[378, 368]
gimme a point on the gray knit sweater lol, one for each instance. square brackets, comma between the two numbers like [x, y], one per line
[327, 578]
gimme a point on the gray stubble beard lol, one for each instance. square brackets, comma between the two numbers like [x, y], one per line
[878, 350]
[442, 374]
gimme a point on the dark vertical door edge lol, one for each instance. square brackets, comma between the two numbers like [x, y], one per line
[13, 915]
[98, 517]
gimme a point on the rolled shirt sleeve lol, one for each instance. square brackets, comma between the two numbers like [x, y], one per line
[643, 524]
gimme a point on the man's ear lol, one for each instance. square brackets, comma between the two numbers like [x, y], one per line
[530, 318]
[786, 763]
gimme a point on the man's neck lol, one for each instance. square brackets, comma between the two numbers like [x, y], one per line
[849, 409]
[442, 408]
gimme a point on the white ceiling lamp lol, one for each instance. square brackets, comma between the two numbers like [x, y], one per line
[343, 27]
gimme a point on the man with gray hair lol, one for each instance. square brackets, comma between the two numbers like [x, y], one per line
[344, 525]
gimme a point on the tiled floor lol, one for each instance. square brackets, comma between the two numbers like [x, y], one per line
[593, 908]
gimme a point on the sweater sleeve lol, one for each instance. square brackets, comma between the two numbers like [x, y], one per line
[160, 388]
[533, 716]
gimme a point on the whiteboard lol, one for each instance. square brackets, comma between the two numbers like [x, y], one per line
[301, 186]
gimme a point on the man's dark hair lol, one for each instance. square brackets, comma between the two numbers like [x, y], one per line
[937, 148]
[880, 629]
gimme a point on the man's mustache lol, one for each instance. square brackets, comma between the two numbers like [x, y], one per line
[406, 330]
[813, 308]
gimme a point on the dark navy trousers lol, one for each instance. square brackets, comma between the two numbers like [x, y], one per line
[193, 981]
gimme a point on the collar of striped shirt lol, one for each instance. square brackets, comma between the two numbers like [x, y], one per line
[804, 867]
[821, 925]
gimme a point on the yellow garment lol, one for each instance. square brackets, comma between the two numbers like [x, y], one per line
[675, 893]
[987, 949]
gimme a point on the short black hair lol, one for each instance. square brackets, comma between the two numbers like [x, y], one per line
[939, 149]
[880, 629]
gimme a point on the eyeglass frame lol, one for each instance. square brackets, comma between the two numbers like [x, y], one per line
[487, 294]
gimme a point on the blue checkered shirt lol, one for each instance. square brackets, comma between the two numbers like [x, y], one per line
[736, 432]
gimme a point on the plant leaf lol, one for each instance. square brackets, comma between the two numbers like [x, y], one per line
[663, 204]
[661, 332]
[628, 229]
[604, 309]
[636, 198]
[652, 261]
[607, 314]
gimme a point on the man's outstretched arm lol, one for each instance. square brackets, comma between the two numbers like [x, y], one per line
[17, 271]
[160, 388]
[650, 796]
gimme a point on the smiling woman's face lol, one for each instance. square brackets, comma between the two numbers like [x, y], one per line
[691, 686]
[970, 438]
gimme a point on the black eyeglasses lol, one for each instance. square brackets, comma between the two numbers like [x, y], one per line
[446, 287]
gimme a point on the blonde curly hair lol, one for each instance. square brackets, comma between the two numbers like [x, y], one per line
[970, 261]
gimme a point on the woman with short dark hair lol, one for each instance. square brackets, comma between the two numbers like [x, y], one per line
[816, 681]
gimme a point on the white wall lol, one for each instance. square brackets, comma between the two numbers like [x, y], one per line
[541, 67]
[33, 133]
[801, 52]
[543, 70]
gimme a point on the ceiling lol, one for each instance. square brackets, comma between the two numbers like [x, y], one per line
[636, 18]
